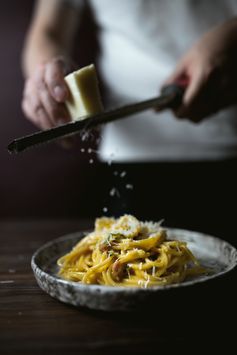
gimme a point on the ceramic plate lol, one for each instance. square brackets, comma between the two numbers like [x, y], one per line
[213, 253]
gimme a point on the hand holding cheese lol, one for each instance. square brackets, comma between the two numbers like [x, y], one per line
[50, 99]
[84, 98]
[45, 92]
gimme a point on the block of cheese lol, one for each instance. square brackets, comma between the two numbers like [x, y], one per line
[84, 99]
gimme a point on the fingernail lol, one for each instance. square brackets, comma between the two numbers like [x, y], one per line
[59, 92]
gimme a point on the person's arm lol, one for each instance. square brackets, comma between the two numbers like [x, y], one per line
[210, 67]
[46, 60]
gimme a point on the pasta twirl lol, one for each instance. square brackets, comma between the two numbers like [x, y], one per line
[127, 252]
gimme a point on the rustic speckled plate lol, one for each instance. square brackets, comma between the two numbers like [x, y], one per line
[213, 253]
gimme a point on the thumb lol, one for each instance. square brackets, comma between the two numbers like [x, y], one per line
[54, 79]
[179, 77]
[180, 72]
[191, 97]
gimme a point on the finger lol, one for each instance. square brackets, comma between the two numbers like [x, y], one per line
[25, 104]
[191, 96]
[37, 115]
[54, 79]
[202, 98]
[179, 77]
[57, 112]
[43, 119]
[27, 110]
[179, 72]
[33, 107]
[41, 98]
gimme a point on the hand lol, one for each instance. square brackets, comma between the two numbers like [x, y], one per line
[210, 67]
[45, 93]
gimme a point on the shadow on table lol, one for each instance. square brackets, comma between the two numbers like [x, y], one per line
[198, 315]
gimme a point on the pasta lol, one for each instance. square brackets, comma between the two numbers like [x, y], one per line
[127, 252]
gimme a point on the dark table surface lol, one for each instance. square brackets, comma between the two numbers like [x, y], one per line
[31, 322]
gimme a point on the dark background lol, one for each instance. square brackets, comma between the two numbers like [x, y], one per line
[47, 181]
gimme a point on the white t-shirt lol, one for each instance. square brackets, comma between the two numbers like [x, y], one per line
[141, 43]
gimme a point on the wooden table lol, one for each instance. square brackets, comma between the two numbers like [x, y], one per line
[31, 322]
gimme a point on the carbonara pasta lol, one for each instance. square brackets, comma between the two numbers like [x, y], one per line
[127, 252]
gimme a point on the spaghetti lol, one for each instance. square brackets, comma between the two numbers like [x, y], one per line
[127, 252]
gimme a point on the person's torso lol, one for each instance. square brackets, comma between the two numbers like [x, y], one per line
[141, 42]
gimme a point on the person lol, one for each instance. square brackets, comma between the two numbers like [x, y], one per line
[175, 158]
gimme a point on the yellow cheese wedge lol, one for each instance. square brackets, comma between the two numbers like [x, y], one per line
[84, 99]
